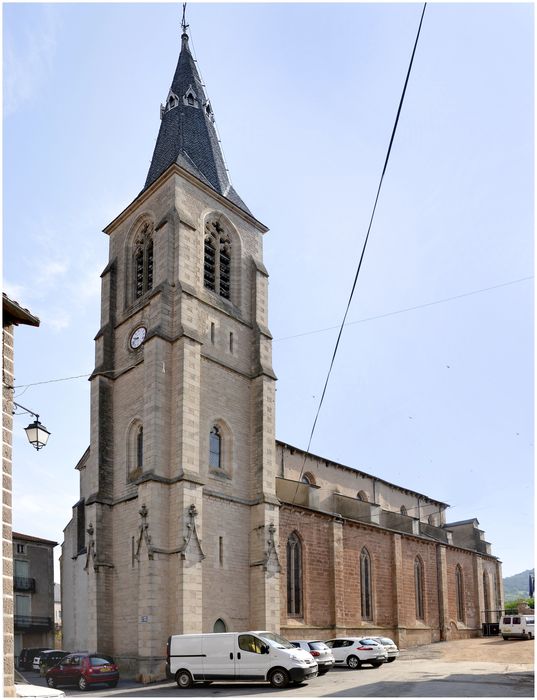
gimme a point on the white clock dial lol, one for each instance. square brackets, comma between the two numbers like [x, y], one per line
[138, 337]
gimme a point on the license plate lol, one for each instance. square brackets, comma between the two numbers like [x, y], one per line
[105, 669]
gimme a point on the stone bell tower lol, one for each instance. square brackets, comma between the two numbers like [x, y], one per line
[176, 527]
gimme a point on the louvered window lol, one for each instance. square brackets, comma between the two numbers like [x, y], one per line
[143, 262]
[217, 260]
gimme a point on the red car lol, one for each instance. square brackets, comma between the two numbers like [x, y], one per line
[83, 670]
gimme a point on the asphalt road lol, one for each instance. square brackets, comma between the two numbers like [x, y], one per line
[474, 668]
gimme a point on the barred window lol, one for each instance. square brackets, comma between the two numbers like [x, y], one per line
[459, 589]
[143, 262]
[418, 585]
[294, 575]
[217, 260]
[365, 585]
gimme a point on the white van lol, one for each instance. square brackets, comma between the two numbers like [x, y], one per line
[236, 656]
[517, 626]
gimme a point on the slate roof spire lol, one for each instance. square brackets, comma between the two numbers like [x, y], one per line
[187, 134]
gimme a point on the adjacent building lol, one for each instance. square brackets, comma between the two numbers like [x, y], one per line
[191, 516]
[33, 586]
[13, 314]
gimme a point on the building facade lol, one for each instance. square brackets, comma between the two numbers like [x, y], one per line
[13, 315]
[191, 516]
[33, 586]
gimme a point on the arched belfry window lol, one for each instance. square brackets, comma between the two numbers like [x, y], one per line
[217, 260]
[403, 510]
[362, 496]
[459, 591]
[143, 261]
[418, 587]
[294, 575]
[366, 588]
[215, 448]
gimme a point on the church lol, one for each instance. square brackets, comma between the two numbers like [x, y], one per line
[192, 517]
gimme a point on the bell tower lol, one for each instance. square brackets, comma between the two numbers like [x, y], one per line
[176, 527]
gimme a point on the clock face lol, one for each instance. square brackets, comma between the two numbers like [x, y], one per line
[138, 337]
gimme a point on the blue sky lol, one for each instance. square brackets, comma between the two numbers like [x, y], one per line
[439, 398]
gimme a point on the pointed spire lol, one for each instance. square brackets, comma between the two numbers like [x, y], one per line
[187, 134]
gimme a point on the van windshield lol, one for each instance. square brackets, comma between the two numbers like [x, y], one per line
[276, 641]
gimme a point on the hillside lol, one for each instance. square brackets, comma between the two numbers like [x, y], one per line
[517, 586]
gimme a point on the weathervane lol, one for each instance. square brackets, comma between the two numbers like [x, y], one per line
[184, 25]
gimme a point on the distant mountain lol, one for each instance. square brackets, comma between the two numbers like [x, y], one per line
[517, 586]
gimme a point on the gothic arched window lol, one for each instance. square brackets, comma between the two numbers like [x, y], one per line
[215, 448]
[294, 575]
[403, 510]
[366, 585]
[308, 478]
[486, 596]
[143, 262]
[219, 626]
[135, 450]
[217, 260]
[418, 586]
[459, 591]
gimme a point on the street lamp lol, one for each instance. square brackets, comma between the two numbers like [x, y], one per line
[36, 433]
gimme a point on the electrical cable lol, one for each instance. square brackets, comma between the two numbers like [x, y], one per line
[408, 308]
[319, 330]
[363, 249]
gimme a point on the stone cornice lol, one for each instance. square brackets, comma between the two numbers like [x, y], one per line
[175, 169]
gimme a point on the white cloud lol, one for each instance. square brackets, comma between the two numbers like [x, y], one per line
[17, 292]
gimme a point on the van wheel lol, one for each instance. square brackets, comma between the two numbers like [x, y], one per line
[353, 662]
[279, 678]
[184, 679]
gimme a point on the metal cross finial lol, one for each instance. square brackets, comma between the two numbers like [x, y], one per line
[184, 25]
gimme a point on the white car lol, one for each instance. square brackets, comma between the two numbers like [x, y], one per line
[389, 645]
[23, 689]
[320, 652]
[355, 651]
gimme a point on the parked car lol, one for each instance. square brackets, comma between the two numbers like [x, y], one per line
[355, 651]
[83, 670]
[23, 689]
[320, 652]
[35, 662]
[389, 645]
[26, 657]
[517, 625]
[48, 659]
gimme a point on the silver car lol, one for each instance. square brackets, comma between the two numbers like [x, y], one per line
[320, 652]
[355, 651]
[389, 645]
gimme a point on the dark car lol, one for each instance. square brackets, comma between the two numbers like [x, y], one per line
[83, 670]
[26, 657]
[48, 659]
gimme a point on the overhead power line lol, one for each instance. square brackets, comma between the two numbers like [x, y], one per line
[406, 309]
[394, 130]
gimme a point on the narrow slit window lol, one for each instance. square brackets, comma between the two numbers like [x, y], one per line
[294, 575]
[221, 551]
[212, 333]
[365, 585]
[231, 342]
[215, 449]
